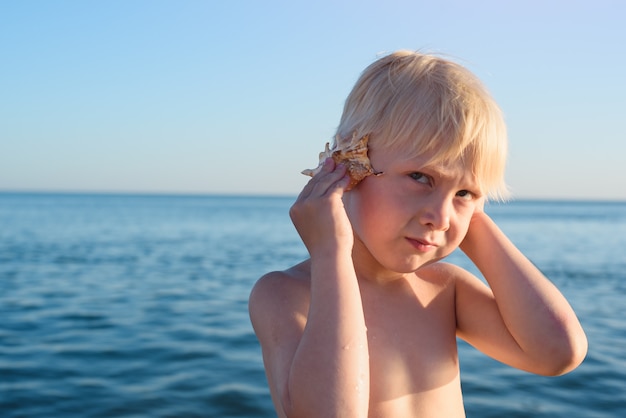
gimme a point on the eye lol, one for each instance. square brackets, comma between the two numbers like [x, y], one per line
[466, 194]
[420, 177]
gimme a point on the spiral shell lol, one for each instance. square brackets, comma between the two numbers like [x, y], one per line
[353, 156]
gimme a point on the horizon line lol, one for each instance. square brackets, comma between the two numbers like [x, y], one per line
[130, 193]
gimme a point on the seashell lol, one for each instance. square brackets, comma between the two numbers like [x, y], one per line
[354, 157]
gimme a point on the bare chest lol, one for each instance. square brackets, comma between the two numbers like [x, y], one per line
[411, 341]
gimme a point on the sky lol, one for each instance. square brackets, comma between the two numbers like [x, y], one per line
[237, 97]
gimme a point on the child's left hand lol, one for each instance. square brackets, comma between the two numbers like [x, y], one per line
[479, 211]
[480, 205]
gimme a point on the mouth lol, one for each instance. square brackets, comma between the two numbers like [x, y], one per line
[421, 244]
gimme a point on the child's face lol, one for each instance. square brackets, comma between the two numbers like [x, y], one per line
[411, 215]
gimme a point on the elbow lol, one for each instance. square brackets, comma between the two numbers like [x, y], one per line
[573, 357]
[567, 356]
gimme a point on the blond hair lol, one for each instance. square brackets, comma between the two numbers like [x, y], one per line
[427, 105]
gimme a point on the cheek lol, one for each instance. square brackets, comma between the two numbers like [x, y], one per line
[368, 209]
[361, 211]
[461, 227]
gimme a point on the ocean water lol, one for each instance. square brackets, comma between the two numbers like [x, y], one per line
[136, 306]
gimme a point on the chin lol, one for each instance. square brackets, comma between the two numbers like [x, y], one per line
[426, 263]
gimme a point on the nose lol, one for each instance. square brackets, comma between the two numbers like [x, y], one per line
[435, 213]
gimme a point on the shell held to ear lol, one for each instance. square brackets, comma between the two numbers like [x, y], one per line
[353, 156]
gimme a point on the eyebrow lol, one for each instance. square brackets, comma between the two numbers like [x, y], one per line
[448, 174]
[441, 170]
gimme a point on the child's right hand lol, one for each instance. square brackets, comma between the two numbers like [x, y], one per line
[318, 213]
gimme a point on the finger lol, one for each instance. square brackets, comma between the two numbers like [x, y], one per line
[331, 180]
[340, 186]
[324, 180]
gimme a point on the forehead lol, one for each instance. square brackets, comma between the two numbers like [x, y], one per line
[441, 161]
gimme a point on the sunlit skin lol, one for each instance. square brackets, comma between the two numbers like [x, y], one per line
[411, 215]
[368, 325]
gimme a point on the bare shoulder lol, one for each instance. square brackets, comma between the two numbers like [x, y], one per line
[279, 305]
[469, 291]
[281, 285]
[279, 297]
[477, 315]
[447, 274]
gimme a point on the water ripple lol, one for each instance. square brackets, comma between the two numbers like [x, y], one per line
[135, 306]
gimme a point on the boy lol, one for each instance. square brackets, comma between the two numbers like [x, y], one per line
[367, 326]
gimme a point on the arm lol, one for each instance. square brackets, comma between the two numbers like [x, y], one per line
[321, 369]
[523, 320]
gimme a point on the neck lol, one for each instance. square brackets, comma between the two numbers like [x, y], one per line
[368, 269]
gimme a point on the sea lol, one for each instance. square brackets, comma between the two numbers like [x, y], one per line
[136, 305]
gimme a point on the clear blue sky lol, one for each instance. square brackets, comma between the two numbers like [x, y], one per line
[239, 96]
